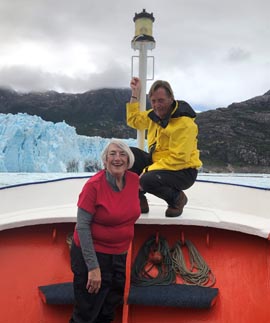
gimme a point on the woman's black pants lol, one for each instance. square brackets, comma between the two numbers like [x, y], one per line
[100, 307]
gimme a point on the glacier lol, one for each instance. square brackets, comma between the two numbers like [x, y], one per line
[32, 149]
[30, 144]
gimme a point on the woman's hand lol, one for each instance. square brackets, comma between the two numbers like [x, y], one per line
[94, 280]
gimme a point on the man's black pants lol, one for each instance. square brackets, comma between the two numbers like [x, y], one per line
[165, 184]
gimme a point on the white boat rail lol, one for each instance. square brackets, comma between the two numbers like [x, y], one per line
[224, 206]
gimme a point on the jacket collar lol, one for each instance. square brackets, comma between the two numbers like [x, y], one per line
[179, 109]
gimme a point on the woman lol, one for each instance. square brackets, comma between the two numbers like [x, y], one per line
[108, 208]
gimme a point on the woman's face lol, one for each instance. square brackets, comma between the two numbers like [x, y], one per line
[116, 161]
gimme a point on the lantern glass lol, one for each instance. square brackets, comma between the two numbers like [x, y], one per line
[143, 26]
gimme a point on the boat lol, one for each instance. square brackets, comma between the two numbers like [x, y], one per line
[224, 230]
[228, 224]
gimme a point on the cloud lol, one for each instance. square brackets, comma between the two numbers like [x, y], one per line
[238, 55]
[206, 49]
[24, 78]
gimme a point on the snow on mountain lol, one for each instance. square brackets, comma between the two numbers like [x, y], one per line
[30, 144]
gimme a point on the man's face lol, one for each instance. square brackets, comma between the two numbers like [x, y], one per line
[161, 102]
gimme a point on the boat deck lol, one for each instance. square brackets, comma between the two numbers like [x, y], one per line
[222, 206]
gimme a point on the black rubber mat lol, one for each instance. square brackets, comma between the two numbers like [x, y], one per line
[173, 295]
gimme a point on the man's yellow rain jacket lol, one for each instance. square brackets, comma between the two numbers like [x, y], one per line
[172, 141]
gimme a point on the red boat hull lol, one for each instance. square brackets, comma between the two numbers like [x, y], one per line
[39, 255]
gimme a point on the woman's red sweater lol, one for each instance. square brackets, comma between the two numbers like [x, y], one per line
[114, 213]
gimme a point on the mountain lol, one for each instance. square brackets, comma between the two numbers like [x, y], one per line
[238, 136]
[235, 138]
[93, 113]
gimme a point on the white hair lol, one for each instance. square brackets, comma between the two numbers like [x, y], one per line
[121, 144]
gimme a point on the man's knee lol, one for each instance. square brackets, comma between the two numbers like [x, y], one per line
[141, 160]
[150, 180]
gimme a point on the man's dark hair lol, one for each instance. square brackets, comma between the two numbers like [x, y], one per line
[161, 84]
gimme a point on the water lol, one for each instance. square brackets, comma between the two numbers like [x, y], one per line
[254, 180]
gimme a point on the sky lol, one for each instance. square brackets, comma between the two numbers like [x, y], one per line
[213, 53]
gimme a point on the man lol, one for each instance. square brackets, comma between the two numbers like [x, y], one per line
[172, 163]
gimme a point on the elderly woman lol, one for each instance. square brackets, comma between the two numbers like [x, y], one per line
[108, 208]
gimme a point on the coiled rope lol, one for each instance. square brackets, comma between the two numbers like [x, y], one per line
[156, 264]
[199, 273]
[153, 264]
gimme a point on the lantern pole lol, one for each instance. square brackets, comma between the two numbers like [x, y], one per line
[143, 41]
